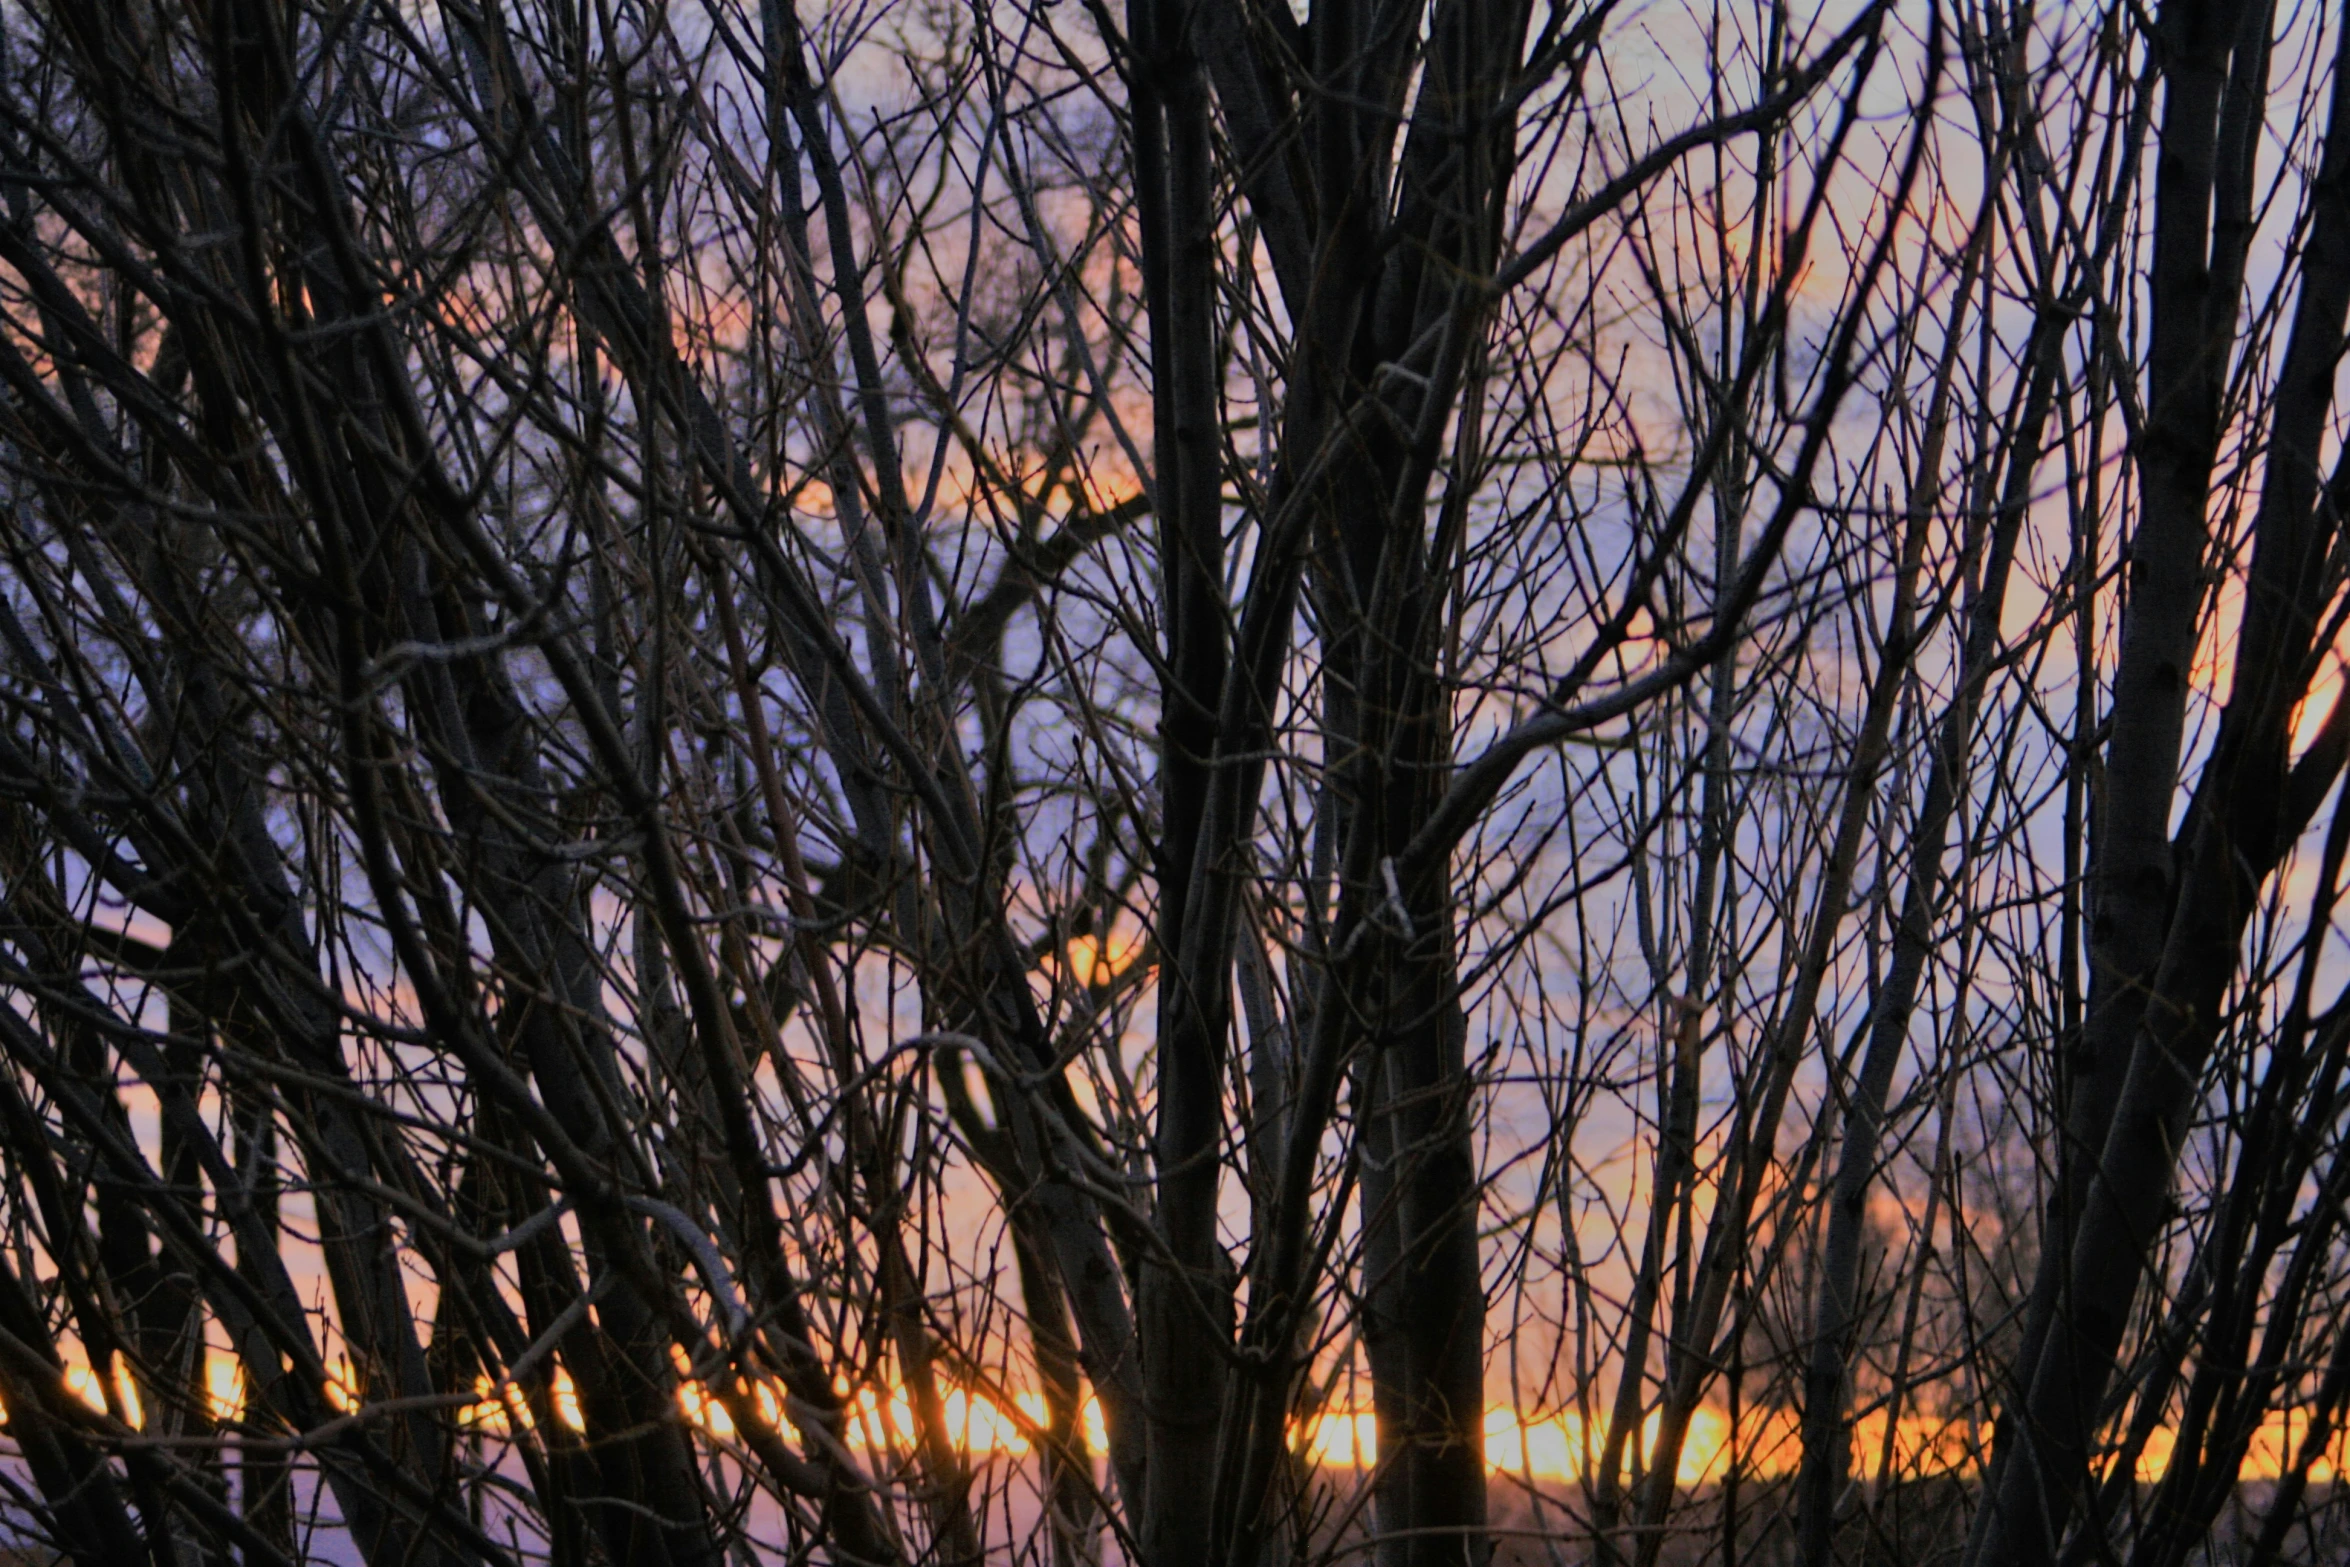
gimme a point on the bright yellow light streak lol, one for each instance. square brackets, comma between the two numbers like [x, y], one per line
[342, 1385]
[976, 1425]
[1097, 960]
[1339, 1439]
[564, 1394]
[877, 1426]
[498, 1408]
[126, 1390]
[224, 1386]
[1546, 1449]
[83, 1384]
[770, 1401]
[694, 1400]
[703, 1410]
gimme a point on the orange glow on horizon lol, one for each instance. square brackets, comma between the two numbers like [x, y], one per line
[1551, 1448]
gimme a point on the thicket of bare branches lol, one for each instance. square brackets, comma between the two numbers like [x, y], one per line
[1216, 783]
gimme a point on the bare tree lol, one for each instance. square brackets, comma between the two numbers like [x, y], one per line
[908, 785]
